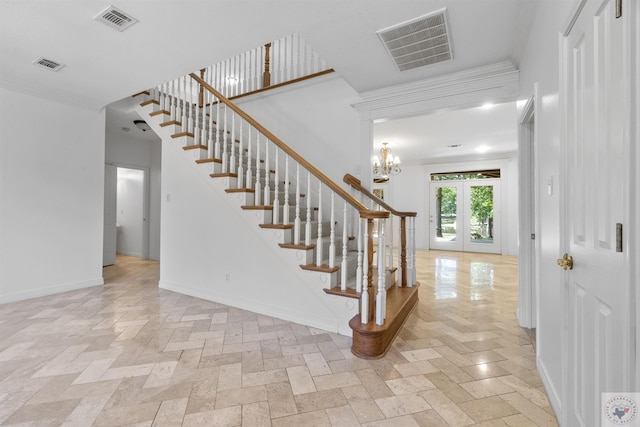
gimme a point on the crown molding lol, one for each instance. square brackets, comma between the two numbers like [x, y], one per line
[493, 83]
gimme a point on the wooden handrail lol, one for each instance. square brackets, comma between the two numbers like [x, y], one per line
[357, 184]
[359, 206]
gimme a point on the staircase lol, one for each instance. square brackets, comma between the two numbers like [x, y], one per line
[321, 233]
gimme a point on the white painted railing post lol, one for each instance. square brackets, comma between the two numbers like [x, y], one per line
[319, 248]
[345, 240]
[232, 145]
[364, 298]
[413, 250]
[359, 261]
[390, 233]
[296, 221]
[258, 187]
[225, 153]
[217, 148]
[249, 172]
[307, 228]
[332, 234]
[241, 156]
[285, 211]
[267, 175]
[276, 192]
[381, 297]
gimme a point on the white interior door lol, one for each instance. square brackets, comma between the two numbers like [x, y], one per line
[597, 291]
[445, 226]
[109, 233]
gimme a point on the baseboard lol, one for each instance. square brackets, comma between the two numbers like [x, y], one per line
[258, 308]
[50, 290]
[552, 394]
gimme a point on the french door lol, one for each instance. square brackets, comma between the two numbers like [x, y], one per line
[465, 215]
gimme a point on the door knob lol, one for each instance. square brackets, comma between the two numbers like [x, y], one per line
[566, 262]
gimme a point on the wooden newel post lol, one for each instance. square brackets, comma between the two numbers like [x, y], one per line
[370, 287]
[266, 77]
[403, 250]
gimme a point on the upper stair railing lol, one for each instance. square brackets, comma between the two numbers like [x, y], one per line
[240, 148]
[407, 244]
[281, 61]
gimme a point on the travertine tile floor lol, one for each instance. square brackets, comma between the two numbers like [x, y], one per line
[128, 353]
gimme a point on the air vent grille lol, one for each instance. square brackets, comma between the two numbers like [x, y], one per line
[115, 18]
[48, 64]
[418, 42]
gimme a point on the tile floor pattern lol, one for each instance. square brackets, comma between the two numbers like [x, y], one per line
[128, 353]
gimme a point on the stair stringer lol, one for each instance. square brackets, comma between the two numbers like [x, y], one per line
[264, 278]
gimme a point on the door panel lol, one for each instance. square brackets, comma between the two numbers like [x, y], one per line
[597, 289]
[482, 216]
[444, 220]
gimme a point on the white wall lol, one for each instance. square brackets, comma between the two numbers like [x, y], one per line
[51, 196]
[126, 150]
[540, 64]
[322, 126]
[130, 212]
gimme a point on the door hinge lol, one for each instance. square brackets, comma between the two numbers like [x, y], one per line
[618, 237]
[618, 9]
[533, 236]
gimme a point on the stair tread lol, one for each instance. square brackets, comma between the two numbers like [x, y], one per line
[211, 160]
[277, 226]
[181, 134]
[294, 246]
[257, 208]
[240, 190]
[324, 268]
[194, 147]
[224, 175]
[349, 293]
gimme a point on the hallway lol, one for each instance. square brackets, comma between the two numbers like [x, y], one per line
[128, 353]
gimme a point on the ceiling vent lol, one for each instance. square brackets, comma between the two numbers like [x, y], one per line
[418, 42]
[48, 64]
[115, 18]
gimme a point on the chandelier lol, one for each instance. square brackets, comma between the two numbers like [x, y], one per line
[388, 166]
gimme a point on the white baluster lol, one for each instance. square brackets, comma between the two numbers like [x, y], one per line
[232, 146]
[345, 240]
[211, 143]
[276, 195]
[267, 175]
[225, 153]
[161, 96]
[258, 187]
[240, 157]
[296, 221]
[381, 296]
[332, 234]
[172, 104]
[249, 172]
[183, 106]
[285, 213]
[364, 298]
[359, 261]
[196, 126]
[390, 240]
[319, 248]
[307, 229]
[217, 148]
[413, 250]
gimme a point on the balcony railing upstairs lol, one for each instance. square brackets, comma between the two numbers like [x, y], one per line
[279, 62]
[298, 196]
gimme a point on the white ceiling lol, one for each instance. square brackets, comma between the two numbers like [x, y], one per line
[486, 132]
[174, 37]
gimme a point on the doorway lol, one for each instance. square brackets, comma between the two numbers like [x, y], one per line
[465, 214]
[126, 210]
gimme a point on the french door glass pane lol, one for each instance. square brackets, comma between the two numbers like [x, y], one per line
[481, 221]
[446, 214]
